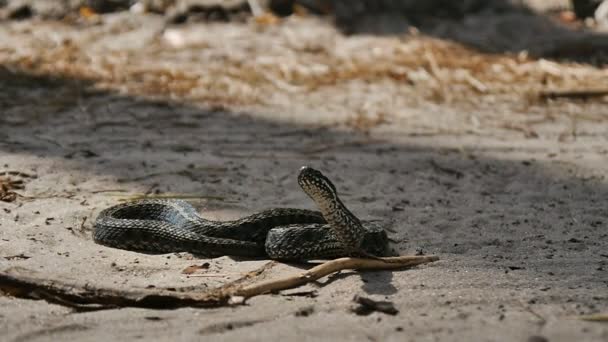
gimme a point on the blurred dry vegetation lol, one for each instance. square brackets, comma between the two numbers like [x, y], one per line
[304, 68]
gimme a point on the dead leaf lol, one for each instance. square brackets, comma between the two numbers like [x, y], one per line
[193, 268]
[267, 19]
[87, 12]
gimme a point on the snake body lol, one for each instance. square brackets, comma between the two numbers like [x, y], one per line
[164, 226]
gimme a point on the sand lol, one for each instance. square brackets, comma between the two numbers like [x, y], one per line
[518, 220]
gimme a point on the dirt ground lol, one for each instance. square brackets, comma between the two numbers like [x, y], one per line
[444, 145]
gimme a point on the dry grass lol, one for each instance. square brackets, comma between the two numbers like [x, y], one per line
[301, 66]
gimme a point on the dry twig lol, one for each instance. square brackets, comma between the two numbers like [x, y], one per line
[595, 318]
[8, 184]
[329, 267]
[16, 283]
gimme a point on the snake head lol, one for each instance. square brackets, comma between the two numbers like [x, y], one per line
[315, 184]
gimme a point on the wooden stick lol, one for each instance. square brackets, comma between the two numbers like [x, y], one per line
[331, 267]
[595, 318]
[255, 7]
[14, 282]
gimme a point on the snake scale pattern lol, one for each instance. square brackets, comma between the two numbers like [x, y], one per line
[164, 226]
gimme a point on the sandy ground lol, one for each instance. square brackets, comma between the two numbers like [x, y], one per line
[518, 220]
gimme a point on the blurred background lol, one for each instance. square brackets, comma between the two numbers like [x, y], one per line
[310, 60]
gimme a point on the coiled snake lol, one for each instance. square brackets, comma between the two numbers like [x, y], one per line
[163, 226]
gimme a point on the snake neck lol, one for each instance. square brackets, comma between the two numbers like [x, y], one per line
[346, 225]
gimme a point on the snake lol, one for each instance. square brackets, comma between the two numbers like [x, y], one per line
[171, 225]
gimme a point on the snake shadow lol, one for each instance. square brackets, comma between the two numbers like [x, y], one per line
[373, 282]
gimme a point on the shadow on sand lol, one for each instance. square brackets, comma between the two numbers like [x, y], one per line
[501, 214]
